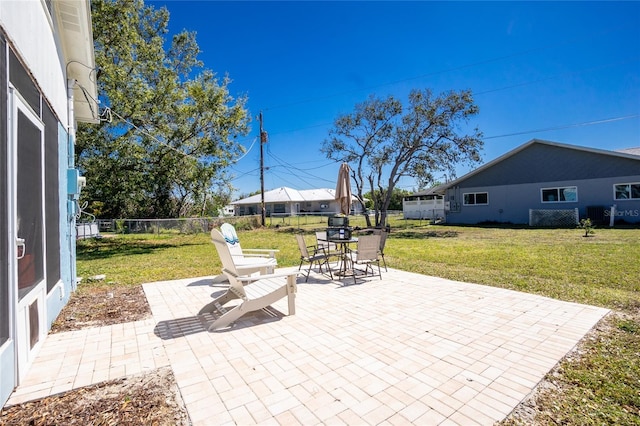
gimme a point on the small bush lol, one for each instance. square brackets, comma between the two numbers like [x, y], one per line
[587, 226]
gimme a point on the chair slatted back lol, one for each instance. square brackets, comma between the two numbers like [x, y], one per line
[230, 236]
[383, 240]
[304, 251]
[368, 247]
[223, 251]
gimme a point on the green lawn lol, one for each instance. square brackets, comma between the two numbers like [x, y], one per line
[601, 387]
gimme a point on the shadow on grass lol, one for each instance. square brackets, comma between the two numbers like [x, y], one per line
[109, 247]
[417, 235]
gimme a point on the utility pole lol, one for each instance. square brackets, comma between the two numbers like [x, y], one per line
[263, 140]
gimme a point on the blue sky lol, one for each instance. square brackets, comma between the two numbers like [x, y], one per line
[537, 70]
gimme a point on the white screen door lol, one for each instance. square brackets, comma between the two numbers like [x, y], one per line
[28, 192]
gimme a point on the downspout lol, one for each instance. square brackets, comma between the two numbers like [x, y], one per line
[72, 202]
[612, 215]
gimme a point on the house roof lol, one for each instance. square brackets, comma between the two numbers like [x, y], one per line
[632, 153]
[288, 195]
[322, 194]
[76, 36]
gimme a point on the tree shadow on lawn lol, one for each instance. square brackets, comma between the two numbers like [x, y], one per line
[420, 235]
[106, 248]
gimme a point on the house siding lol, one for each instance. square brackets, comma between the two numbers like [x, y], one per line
[31, 59]
[65, 246]
[547, 163]
[31, 33]
[511, 203]
[514, 185]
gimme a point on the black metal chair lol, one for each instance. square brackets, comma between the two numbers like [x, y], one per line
[313, 254]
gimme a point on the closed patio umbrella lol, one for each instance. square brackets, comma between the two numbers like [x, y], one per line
[343, 189]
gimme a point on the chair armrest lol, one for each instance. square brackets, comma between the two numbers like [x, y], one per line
[260, 252]
[249, 278]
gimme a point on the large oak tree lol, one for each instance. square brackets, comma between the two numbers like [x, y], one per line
[172, 128]
[383, 141]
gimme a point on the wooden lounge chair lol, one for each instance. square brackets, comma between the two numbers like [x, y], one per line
[255, 292]
[247, 261]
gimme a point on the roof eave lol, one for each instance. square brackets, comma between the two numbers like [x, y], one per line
[73, 19]
[442, 189]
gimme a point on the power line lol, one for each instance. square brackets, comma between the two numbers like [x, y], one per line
[444, 71]
[497, 89]
[290, 166]
[566, 126]
[555, 76]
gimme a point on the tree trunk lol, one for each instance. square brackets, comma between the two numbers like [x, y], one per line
[367, 218]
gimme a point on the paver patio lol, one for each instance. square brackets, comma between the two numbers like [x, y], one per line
[406, 349]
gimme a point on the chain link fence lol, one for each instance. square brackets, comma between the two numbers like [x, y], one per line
[181, 226]
[204, 225]
[554, 218]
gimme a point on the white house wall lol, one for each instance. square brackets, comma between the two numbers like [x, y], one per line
[59, 296]
[29, 29]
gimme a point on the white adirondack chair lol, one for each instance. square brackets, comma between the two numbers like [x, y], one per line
[254, 291]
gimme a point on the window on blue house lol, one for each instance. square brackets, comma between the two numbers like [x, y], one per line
[627, 191]
[476, 198]
[565, 194]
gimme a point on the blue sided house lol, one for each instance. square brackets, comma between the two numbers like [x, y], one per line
[544, 183]
[47, 85]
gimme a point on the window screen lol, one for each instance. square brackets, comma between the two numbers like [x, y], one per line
[51, 197]
[4, 190]
[475, 198]
[29, 204]
[560, 195]
[627, 191]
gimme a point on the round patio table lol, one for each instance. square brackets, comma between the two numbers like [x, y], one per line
[343, 244]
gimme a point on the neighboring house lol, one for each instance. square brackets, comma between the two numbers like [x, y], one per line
[287, 201]
[542, 177]
[47, 84]
[227, 210]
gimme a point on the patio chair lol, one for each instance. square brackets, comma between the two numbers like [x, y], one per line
[255, 291]
[383, 240]
[366, 254]
[247, 260]
[322, 242]
[313, 254]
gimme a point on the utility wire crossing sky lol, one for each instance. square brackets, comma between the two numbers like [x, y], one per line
[562, 71]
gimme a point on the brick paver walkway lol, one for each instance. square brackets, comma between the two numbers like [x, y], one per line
[406, 349]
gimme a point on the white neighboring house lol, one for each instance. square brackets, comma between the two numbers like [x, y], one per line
[228, 210]
[288, 201]
[47, 85]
